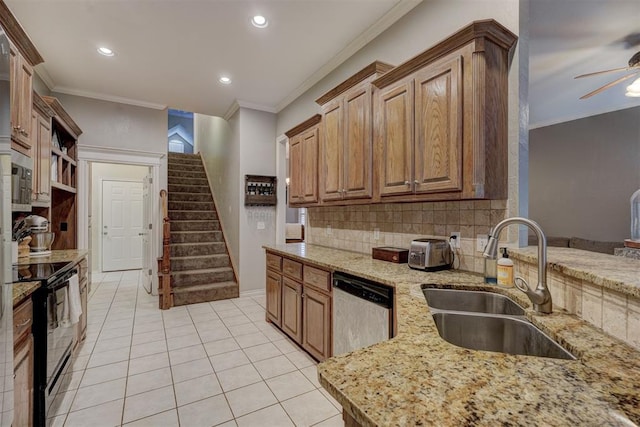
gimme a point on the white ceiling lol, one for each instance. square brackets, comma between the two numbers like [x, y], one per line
[172, 52]
[573, 37]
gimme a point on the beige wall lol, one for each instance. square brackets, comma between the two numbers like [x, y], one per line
[582, 174]
[99, 173]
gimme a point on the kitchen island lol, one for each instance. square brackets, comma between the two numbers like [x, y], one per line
[417, 378]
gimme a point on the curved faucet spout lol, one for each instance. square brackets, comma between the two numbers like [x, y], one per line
[540, 297]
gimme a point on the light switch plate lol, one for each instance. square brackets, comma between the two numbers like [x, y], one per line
[481, 242]
[376, 234]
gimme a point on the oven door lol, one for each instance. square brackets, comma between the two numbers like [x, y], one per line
[60, 333]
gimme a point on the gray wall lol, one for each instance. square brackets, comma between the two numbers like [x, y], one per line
[582, 174]
[109, 124]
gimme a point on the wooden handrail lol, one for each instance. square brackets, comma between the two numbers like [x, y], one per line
[164, 263]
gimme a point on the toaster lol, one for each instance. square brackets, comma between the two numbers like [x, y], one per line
[430, 255]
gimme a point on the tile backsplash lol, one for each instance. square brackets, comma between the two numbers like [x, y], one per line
[363, 227]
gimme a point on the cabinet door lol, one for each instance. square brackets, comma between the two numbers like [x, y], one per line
[331, 151]
[295, 170]
[316, 336]
[394, 138]
[274, 297]
[20, 101]
[292, 309]
[42, 159]
[438, 127]
[358, 144]
[310, 165]
[84, 290]
[23, 383]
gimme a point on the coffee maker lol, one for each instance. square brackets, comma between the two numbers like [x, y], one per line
[41, 238]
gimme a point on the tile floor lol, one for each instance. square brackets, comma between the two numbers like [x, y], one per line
[208, 364]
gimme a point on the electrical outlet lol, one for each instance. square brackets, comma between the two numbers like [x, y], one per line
[376, 234]
[481, 242]
[328, 231]
[455, 242]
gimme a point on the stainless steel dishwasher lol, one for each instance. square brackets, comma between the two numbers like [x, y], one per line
[362, 313]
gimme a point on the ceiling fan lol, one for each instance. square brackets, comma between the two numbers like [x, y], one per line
[632, 90]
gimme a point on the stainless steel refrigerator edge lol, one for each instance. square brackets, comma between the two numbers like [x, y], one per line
[6, 300]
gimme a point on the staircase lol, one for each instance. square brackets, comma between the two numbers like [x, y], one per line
[200, 266]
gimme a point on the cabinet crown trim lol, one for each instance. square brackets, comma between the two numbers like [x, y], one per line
[478, 31]
[376, 67]
[64, 117]
[304, 126]
[41, 105]
[18, 36]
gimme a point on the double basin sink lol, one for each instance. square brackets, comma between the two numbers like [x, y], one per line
[487, 321]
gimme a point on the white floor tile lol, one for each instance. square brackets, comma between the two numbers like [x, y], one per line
[309, 408]
[261, 352]
[335, 421]
[104, 373]
[106, 414]
[150, 403]
[108, 356]
[289, 385]
[116, 332]
[163, 419]
[250, 398]
[145, 337]
[187, 354]
[190, 370]
[301, 359]
[236, 320]
[62, 402]
[221, 346]
[240, 376]
[180, 331]
[183, 341]
[229, 360]
[284, 345]
[270, 416]
[214, 334]
[243, 329]
[251, 339]
[99, 393]
[197, 389]
[207, 412]
[105, 344]
[148, 363]
[147, 381]
[311, 372]
[275, 366]
[330, 398]
[146, 349]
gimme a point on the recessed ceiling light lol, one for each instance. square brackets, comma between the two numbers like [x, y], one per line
[105, 51]
[224, 80]
[259, 21]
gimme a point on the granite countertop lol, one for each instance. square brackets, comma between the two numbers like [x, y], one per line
[22, 291]
[417, 378]
[609, 271]
[66, 255]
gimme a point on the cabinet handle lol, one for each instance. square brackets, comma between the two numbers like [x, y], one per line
[406, 183]
[416, 182]
[23, 323]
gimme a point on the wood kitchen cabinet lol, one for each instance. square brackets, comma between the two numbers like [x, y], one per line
[304, 303]
[23, 364]
[346, 146]
[441, 120]
[83, 280]
[41, 148]
[21, 97]
[303, 162]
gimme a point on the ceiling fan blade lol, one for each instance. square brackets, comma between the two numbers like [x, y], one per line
[602, 72]
[608, 85]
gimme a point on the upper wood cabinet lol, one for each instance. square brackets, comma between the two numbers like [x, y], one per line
[21, 81]
[346, 148]
[303, 162]
[441, 120]
[41, 148]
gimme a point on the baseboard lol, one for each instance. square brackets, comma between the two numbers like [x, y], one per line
[252, 293]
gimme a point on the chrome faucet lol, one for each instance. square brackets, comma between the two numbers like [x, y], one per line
[541, 298]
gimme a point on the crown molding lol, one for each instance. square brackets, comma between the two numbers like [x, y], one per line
[109, 98]
[44, 75]
[231, 111]
[573, 117]
[388, 19]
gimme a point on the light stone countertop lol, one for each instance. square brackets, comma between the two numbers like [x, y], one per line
[609, 271]
[417, 378]
[66, 255]
[22, 291]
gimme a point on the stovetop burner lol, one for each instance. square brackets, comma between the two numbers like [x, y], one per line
[38, 272]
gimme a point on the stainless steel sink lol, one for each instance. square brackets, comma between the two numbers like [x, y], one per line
[497, 333]
[474, 301]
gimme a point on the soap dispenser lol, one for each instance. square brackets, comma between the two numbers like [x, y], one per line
[505, 270]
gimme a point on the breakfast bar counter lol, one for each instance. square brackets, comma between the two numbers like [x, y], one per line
[417, 378]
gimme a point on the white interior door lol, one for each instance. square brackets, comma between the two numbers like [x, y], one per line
[122, 225]
[147, 258]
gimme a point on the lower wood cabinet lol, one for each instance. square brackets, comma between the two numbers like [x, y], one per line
[316, 332]
[23, 364]
[81, 326]
[299, 303]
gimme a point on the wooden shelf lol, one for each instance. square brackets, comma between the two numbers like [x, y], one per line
[63, 156]
[63, 187]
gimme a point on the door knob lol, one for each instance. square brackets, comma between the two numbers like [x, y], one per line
[142, 234]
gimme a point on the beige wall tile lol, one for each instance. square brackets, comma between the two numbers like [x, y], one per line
[633, 322]
[592, 304]
[573, 295]
[614, 314]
